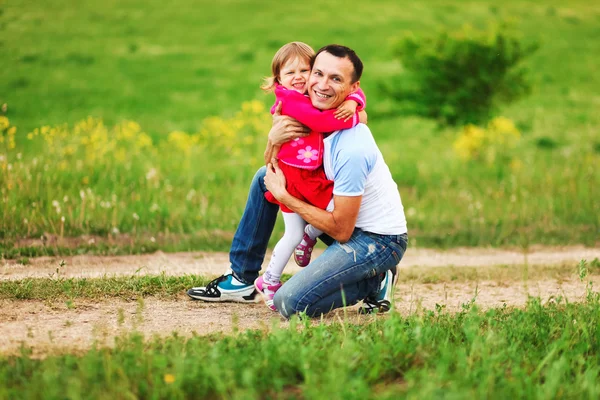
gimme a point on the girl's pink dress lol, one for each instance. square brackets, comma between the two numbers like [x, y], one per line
[301, 160]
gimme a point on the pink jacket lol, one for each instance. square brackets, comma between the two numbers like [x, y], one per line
[307, 152]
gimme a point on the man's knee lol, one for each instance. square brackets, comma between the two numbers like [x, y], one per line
[284, 303]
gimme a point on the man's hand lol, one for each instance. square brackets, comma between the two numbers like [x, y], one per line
[346, 110]
[285, 128]
[275, 180]
[271, 152]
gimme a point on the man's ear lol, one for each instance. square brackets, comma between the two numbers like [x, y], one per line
[354, 87]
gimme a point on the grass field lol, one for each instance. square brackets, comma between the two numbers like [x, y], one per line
[545, 349]
[537, 352]
[188, 69]
[139, 125]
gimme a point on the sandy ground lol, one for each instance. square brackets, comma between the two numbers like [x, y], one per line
[49, 327]
[210, 264]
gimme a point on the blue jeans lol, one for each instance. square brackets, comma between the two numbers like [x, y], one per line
[251, 238]
[343, 275]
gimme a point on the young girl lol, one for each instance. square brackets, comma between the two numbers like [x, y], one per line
[301, 160]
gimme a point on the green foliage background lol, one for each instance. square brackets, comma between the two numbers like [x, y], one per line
[170, 66]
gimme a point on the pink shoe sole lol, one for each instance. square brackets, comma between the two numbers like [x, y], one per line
[260, 285]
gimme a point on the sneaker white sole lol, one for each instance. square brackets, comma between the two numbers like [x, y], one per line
[241, 296]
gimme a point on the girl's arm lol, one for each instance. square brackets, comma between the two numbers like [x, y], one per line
[360, 99]
[299, 107]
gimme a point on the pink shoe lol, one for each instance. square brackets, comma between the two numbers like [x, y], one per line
[267, 291]
[303, 251]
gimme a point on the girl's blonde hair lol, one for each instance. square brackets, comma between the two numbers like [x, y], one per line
[288, 52]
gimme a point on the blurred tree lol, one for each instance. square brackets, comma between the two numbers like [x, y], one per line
[460, 77]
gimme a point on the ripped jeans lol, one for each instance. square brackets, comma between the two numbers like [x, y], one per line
[342, 276]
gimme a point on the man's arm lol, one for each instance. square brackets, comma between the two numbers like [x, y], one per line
[339, 224]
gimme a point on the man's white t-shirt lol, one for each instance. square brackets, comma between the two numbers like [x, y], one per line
[354, 163]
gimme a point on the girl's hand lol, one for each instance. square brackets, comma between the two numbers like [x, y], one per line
[346, 110]
[362, 117]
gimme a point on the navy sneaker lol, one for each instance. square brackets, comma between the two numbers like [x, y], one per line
[225, 288]
[382, 300]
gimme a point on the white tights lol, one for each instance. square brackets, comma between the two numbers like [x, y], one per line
[313, 232]
[294, 230]
[295, 227]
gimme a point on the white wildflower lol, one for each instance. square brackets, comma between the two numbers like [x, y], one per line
[190, 195]
[151, 174]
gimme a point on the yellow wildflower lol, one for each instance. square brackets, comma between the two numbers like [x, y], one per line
[144, 141]
[497, 140]
[516, 165]
[169, 378]
[4, 122]
[70, 150]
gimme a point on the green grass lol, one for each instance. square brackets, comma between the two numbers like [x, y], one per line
[171, 68]
[537, 352]
[113, 246]
[128, 287]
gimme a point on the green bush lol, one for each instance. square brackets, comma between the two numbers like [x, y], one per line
[460, 77]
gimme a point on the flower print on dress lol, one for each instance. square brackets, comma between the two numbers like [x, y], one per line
[307, 154]
[297, 142]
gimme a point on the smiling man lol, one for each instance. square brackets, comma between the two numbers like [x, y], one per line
[367, 224]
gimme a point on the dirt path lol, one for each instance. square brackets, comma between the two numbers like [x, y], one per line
[210, 264]
[58, 327]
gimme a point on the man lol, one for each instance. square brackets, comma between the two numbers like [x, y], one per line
[367, 223]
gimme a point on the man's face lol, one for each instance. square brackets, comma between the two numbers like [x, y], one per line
[330, 81]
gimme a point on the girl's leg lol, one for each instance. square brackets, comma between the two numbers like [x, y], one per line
[303, 252]
[312, 232]
[294, 230]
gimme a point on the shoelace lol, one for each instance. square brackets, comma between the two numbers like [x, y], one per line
[370, 305]
[212, 288]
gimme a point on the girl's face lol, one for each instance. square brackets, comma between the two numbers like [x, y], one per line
[294, 74]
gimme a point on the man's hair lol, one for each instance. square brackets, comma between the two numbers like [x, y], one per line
[342, 52]
[287, 52]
